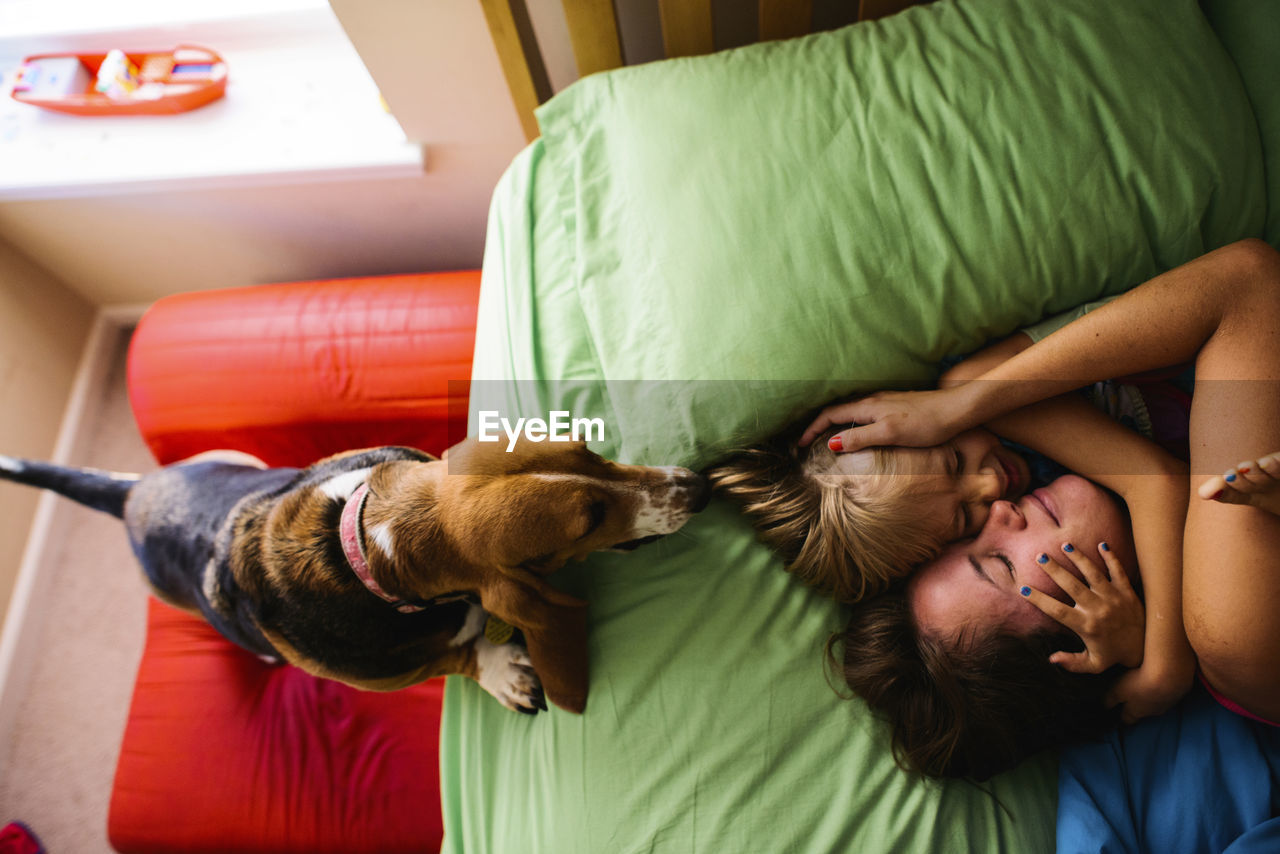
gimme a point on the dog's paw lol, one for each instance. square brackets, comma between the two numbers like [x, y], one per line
[506, 672]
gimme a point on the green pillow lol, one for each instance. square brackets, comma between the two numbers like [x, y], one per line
[755, 232]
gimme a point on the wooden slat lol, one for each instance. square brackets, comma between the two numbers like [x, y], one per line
[784, 19]
[871, 9]
[686, 27]
[593, 31]
[521, 61]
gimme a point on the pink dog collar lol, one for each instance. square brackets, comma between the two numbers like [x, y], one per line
[353, 547]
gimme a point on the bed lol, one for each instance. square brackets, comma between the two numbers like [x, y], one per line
[698, 252]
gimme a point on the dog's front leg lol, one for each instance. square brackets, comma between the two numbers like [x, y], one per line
[503, 669]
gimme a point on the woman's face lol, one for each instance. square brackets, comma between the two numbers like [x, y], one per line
[974, 585]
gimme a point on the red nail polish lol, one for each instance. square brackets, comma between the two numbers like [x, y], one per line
[836, 443]
[1216, 495]
[1244, 470]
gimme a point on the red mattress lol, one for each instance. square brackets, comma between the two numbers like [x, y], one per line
[223, 752]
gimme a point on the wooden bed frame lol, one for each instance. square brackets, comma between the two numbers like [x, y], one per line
[687, 30]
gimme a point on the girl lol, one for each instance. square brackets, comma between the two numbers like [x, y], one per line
[851, 524]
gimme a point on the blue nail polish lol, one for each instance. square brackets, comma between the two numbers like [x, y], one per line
[1042, 559]
[1067, 547]
[1231, 478]
[1026, 591]
[1104, 547]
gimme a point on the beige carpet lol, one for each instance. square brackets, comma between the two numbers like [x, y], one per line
[67, 736]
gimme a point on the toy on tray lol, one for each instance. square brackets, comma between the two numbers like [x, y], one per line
[119, 84]
[117, 76]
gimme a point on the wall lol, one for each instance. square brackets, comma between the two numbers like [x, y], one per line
[43, 329]
[136, 248]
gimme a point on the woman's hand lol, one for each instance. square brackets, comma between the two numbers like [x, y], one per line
[1107, 615]
[917, 419]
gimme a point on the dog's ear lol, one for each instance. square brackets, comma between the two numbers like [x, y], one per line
[544, 564]
[555, 630]
[521, 603]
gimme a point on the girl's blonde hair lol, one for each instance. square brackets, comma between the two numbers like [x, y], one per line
[849, 536]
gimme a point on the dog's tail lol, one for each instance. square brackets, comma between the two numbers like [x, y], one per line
[101, 490]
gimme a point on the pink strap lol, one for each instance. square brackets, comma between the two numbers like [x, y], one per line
[1231, 705]
[353, 548]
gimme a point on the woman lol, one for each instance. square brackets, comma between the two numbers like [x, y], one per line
[966, 680]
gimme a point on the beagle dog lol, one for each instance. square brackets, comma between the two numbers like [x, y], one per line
[384, 567]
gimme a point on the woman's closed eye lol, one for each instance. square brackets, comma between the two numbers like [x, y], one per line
[1008, 564]
[979, 566]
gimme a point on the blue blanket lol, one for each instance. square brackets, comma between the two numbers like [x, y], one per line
[1199, 778]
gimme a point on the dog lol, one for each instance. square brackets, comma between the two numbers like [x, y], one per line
[383, 567]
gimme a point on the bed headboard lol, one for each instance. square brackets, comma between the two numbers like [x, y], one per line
[596, 33]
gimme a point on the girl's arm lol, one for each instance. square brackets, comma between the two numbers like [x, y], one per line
[1155, 487]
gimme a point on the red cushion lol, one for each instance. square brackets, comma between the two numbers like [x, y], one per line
[295, 372]
[221, 751]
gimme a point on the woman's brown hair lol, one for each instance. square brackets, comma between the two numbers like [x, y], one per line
[968, 707]
[847, 536]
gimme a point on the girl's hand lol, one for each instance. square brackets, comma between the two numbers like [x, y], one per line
[917, 419]
[1149, 690]
[1107, 615]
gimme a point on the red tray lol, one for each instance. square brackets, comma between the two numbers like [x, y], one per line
[180, 79]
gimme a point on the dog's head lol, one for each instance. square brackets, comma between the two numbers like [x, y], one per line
[544, 503]
[492, 521]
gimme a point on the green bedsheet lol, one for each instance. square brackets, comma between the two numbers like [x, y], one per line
[840, 244]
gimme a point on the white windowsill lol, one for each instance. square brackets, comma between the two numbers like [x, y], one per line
[300, 107]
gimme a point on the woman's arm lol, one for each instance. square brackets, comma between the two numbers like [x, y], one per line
[1162, 322]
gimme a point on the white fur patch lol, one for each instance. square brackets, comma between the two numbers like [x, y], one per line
[211, 588]
[505, 672]
[553, 477]
[659, 510]
[471, 626]
[341, 486]
[382, 537]
[658, 518]
[10, 464]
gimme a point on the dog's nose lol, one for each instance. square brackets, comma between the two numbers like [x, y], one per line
[699, 492]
